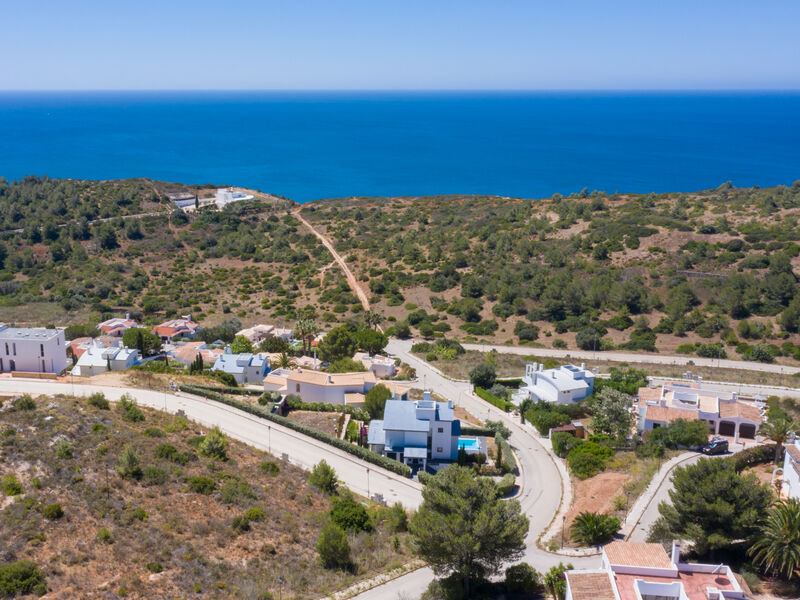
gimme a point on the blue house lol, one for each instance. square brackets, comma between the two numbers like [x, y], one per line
[415, 432]
[245, 368]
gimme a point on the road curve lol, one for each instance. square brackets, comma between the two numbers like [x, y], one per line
[362, 477]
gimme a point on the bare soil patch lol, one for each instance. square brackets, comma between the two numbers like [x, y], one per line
[321, 421]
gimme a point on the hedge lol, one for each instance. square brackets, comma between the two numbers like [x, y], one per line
[509, 462]
[506, 484]
[514, 384]
[357, 413]
[362, 453]
[494, 400]
[477, 431]
[222, 389]
[757, 455]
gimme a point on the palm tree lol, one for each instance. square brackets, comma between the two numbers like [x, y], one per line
[283, 361]
[312, 329]
[300, 331]
[373, 319]
[779, 430]
[591, 528]
[777, 545]
[524, 406]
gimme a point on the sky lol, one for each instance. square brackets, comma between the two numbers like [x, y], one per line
[409, 45]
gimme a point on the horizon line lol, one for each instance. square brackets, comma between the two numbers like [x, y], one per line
[405, 90]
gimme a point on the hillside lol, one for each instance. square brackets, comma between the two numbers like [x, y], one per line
[140, 533]
[711, 273]
[641, 272]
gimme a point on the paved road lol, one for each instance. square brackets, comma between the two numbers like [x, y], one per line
[645, 357]
[270, 437]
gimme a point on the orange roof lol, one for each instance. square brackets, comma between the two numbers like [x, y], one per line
[638, 554]
[794, 451]
[729, 410]
[590, 586]
[649, 394]
[320, 378]
[666, 414]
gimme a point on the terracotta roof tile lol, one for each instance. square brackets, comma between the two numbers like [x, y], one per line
[668, 415]
[794, 451]
[648, 393]
[590, 586]
[638, 554]
[729, 410]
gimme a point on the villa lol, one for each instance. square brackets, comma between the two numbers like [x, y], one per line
[381, 366]
[724, 412]
[32, 350]
[318, 386]
[643, 571]
[116, 326]
[184, 327]
[98, 358]
[257, 333]
[415, 432]
[225, 196]
[245, 368]
[80, 345]
[187, 353]
[791, 471]
[562, 385]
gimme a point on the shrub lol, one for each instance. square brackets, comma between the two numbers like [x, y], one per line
[240, 524]
[128, 467]
[506, 484]
[98, 400]
[63, 449]
[563, 442]
[104, 535]
[522, 579]
[53, 512]
[21, 577]
[483, 375]
[201, 484]
[234, 491]
[130, 412]
[24, 403]
[255, 513]
[398, 518]
[544, 417]
[170, 452]
[757, 455]
[493, 400]
[154, 432]
[591, 528]
[215, 445]
[509, 462]
[154, 476]
[350, 515]
[270, 468]
[154, 567]
[333, 548]
[588, 459]
[323, 477]
[375, 400]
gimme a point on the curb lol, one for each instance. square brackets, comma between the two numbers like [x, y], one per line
[372, 583]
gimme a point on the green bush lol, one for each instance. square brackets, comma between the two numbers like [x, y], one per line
[477, 431]
[255, 513]
[154, 476]
[523, 579]
[362, 453]
[509, 462]
[154, 567]
[139, 514]
[757, 455]
[104, 535]
[483, 375]
[201, 484]
[21, 577]
[591, 528]
[563, 442]
[98, 400]
[545, 417]
[130, 412]
[333, 548]
[506, 484]
[154, 432]
[588, 459]
[240, 524]
[295, 403]
[350, 515]
[129, 463]
[63, 449]
[323, 477]
[24, 403]
[398, 518]
[270, 468]
[215, 445]
[53, 512]
[171, 453]
[235, 491]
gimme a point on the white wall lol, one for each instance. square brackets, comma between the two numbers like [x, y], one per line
[791, 480]
[34, 354]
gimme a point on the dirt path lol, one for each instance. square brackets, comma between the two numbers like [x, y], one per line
[351, 279]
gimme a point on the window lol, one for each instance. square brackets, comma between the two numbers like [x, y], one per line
[297, 388]
[15, 348]
[6, 348]
[41, 349]
[441, 429]
[1, 365]
[43, 367]
[439, 449]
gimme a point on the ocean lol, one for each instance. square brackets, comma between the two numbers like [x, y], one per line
[310, 145]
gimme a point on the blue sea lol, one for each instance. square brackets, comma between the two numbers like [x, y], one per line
[309, 145]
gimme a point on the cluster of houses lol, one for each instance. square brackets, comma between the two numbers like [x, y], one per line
[222, 198]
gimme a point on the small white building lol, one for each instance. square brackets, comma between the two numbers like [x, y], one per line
[34, 350]
[562, 385]
[225, 196]
[257, 333]
[99, 358]
[245, 368]
[415, 432]
[381, 366]
[791, 471]
[328, 388]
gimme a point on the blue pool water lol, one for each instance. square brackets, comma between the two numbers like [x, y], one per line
[324, 144]
[469, 443]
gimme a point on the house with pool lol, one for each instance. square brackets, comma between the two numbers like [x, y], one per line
[420, 433]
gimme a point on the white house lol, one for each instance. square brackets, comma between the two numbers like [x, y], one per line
[225, 196]
[257, 333]
[381, 366]
[644, 571]
[562, 385]
[175, 328]
[723, 412]
[117, 326]
[245, 368]
[791, 471]
[328, 388]
[36, 350]
[99, 358]
[416, 431]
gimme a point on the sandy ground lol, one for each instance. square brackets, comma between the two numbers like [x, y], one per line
[595, 494]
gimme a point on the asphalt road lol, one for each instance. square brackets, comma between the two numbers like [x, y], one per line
[269, 437]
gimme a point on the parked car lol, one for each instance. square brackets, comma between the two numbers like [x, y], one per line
[717, 445]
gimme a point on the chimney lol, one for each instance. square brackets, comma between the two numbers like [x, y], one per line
[228, 349]
[676, 552]
[541, 367]
[583, 366]
[426, 396]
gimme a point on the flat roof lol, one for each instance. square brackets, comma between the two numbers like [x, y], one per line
[415, 453]
[24, 333]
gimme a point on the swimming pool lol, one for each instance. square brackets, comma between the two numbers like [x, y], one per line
[469, 444]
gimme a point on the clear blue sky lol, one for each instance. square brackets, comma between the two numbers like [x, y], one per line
[375, 44]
